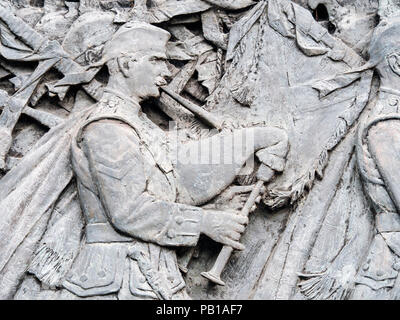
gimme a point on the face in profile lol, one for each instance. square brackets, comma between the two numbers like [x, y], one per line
[146, 73]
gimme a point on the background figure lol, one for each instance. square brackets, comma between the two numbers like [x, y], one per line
[378, 156]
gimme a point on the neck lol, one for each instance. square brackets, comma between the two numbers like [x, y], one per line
[126, 99]
[130, 101]
[119, 87]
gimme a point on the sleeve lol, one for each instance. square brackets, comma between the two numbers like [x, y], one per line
[274, 156]
[119, 172]
[384, 145]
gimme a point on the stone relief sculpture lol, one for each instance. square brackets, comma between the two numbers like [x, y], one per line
[137, 136]
[379, 273]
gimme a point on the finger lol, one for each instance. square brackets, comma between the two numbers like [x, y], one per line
[234, 244]
[238, 227]
[244, 189]
[241, 219]
[258, 199]
[253, 208]
[243, 198]
[235, 235]
[237, 207]
[230, 194]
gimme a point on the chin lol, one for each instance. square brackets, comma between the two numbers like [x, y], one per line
[156, 93]
[151, 94]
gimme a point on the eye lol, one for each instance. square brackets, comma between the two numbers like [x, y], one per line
[156, 59]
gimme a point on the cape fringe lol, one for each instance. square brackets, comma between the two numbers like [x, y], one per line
[276, 198]
[322, 286]
[49, 266]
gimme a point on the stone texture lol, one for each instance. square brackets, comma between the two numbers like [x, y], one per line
[103, 101]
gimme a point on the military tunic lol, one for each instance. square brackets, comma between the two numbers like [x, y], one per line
[378, 158]
[127, 192]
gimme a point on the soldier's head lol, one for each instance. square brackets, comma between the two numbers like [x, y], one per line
[384, 50]
[136, 59]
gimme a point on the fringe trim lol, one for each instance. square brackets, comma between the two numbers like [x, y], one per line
[277, 198]
[49, 266]
[322, 287]
[153, 279]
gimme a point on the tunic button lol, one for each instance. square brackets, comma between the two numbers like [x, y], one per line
[379, 273]
[83, 278]
[101, 274]
[171, 233]
[179, 220]
[393, 101]
[366, 267]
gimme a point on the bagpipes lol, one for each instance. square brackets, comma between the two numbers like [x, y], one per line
[264, 175]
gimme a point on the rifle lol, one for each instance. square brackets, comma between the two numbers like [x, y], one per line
[72, 70]
[264, 174]
[47, 119]
[50, 54]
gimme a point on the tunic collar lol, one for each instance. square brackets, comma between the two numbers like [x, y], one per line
[126, 99]
[390, 91]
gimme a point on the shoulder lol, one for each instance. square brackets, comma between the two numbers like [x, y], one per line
[108, 132]
[110, 139]
[113, 147]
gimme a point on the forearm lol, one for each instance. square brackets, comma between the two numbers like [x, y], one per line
[161, 222]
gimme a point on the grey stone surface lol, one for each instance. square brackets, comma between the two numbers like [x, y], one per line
[199, 149]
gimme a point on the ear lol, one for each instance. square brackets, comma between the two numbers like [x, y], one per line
[123, 65]
[92, 56]
[394, 63]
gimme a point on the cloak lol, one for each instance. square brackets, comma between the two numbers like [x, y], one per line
[29, 195]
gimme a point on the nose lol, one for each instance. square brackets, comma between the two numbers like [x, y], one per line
[166, 74]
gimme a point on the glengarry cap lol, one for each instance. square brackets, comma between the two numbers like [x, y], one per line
[135, 37]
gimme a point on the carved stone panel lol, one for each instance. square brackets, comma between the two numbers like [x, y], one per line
[203, 149]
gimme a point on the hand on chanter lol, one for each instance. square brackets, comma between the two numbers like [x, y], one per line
[225, 227]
